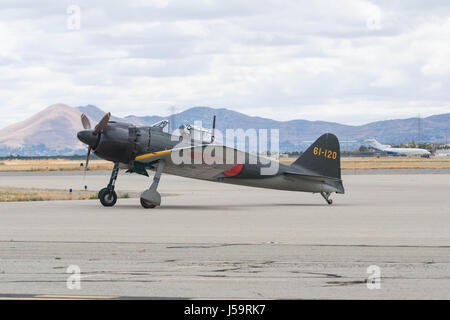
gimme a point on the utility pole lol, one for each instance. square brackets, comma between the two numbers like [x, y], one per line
[419, 129]
[172, 126]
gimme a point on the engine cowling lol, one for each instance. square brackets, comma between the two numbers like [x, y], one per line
[117, 142]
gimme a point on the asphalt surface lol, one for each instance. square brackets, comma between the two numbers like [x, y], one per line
[211, 240]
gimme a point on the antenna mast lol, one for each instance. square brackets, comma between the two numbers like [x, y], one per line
[213, 129]
[419, 128]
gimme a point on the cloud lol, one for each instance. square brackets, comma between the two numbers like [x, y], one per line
[351, 61]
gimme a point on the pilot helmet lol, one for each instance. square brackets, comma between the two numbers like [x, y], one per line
[181, 129]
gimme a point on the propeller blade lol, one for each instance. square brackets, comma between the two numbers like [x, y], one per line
[102, 124]
[85, 121]
[87, 158]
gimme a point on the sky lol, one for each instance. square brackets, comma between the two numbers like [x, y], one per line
[347, 61]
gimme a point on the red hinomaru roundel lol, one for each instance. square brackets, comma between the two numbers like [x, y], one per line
[234, 171]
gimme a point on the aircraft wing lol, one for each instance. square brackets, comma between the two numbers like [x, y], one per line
[197, 161]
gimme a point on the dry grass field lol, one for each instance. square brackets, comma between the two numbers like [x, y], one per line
[53, 165]
[12, 194]
[390, 163]
[9, 194]
[346, 163]
[395, 163]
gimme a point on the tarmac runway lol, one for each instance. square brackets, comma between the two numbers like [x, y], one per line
[211, 240]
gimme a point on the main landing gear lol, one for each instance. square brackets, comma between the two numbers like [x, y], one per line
[326, 196]
[108, 196]
[151, 198]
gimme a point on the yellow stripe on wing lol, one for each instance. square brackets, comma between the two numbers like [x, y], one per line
[154, 154]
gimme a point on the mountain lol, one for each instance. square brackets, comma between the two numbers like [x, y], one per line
[297, 134]
[53, 130]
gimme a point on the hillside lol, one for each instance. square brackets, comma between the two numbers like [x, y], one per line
[53, 130]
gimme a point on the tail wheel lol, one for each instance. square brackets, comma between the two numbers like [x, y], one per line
[107, 198]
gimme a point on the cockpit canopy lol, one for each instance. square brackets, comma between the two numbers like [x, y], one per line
[160, 124]
[196, 132]
[199, 133]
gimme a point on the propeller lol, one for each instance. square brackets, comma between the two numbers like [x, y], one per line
[98, 129]
[102, 124]
[85, 122]
[87, 158]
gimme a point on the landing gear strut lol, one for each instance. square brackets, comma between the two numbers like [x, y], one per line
[326, 196]
[108, 196]
[151, 198]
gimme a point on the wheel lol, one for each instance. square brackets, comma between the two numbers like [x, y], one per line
[107, 198]
[101, 191]
[146, 204]
[329, 201]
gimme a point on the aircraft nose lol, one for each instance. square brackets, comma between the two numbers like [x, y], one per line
[87, 137]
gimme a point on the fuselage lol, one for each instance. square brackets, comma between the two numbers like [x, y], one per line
[407, 151]
[398, 151]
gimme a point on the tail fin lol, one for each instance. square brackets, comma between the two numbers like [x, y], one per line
[322, 157]
[374, 144]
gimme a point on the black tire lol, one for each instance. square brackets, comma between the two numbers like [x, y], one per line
[107, 198]
[101, 191]
[146, 204]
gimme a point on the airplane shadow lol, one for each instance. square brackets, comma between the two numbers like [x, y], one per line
[227, 207]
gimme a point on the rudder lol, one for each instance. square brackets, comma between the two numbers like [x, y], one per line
[322, 157]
